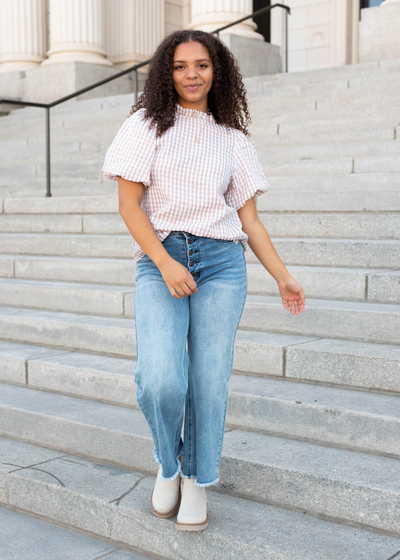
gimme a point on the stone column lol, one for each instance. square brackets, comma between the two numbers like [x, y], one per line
[208, 15]
[77, 32]
[278, 30]
[22, 34]
[341, 32]
[133, 31]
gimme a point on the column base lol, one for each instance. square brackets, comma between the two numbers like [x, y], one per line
[77, 56]
[46, 83]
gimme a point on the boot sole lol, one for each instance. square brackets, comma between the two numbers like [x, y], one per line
[181, 526]
[170, 513]
[192, 526]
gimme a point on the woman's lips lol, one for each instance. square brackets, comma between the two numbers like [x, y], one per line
[193, 88]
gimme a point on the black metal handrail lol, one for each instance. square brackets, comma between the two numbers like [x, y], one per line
[134, 68]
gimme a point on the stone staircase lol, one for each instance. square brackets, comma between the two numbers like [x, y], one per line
[310, 466]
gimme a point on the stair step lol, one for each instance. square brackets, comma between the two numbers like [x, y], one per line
[346, 149]
[92, 333]
[106, 335]
[67, 296]
[25, 537]
[299, 136]
[319, 75]
[370, 253]
[364, 321]
[338, 165]
[69, 269]
[337, 225]
[277, 200]
[96, 149]
[335, 362]
[325, 201]
[357, 284]
[342, 484]
[329, 183]
[114, 502]
[317, 109]
[327, 415]
[60, 187]
[62, 205]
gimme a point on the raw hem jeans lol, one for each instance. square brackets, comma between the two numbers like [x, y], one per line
[185, 350]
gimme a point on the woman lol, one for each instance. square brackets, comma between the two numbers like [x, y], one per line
[187, 177]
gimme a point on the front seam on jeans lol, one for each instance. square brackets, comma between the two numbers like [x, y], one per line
[231, 365]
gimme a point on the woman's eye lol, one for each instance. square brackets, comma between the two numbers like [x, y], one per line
[177, 67]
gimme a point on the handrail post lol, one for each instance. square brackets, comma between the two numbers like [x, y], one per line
[286, 42]
[48, 186]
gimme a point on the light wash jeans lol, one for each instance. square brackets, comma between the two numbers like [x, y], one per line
[185, 352]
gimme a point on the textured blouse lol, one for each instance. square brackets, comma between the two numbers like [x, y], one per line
[195, 176]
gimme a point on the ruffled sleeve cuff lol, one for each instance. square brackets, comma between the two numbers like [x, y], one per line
[132, 151]
[248, 179]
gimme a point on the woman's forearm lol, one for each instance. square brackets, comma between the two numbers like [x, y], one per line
[142, 231]
[261, 245]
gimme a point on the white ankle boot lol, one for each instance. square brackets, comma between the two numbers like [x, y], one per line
[193, 510]
[166, 496]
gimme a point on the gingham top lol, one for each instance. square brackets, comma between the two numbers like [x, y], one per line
[190, 186]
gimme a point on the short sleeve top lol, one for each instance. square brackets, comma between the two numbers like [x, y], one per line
[196, 175]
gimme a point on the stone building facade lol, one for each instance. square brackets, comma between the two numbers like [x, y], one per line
[100, 37]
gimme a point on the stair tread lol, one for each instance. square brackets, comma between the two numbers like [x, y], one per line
[247, 385]
[26, 537]
[243, 335]
[329, 304]
[239, 528]
[88, 236]
[351, 467]
[56, 284]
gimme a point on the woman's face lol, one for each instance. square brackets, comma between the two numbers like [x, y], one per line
[192, 66]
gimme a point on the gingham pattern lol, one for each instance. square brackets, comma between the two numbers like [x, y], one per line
[189, 186]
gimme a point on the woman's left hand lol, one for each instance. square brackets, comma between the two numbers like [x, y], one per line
[293, 297]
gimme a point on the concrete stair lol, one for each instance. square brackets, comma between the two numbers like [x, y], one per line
[27, 536]
[112, 502]
[312, 430]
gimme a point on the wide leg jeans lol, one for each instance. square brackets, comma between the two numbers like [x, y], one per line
[185, 350]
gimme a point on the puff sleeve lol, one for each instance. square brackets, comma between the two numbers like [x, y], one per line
[247, 179]
[132, 151]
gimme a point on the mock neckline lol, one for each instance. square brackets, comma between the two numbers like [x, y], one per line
[194, 114]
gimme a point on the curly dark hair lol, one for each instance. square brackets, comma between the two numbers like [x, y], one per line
[226, 97]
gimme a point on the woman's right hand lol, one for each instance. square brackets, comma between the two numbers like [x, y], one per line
[179, 278]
